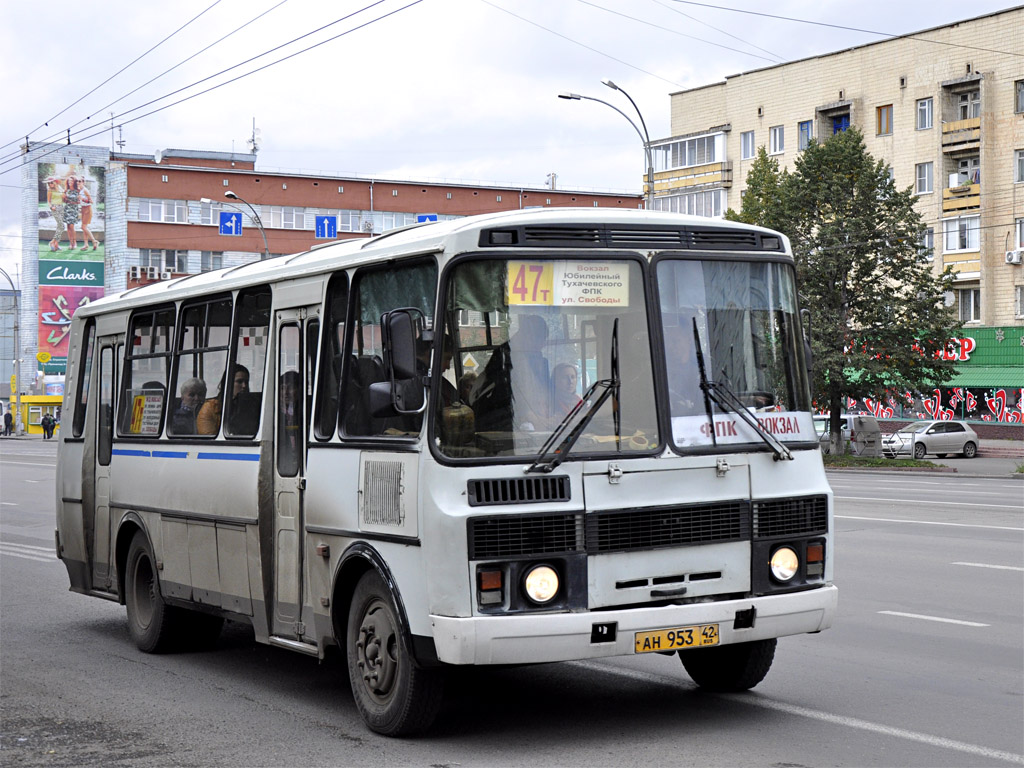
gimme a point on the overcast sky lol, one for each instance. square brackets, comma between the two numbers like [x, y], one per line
[458, 90]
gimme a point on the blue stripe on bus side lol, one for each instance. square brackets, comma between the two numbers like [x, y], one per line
[229, 456]
[170, 455]
[129, 452]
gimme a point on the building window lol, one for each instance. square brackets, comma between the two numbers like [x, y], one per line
[211, 260]
[804, 134]
[928, 244]
[776, 140]
[209, 213]
[924, 113]
[707, 203]
[968, 171]
[746, 145]
[840, 123]
[1020, 233]
[969, 104]
[287, 217]
[924, 178]
[498, 198]
[169, 211]
[1018, 96]
[970, 305]
[1018, 300]
[961, 234]
[883, 120]
[1018, 174]
[684, 154]
[164, 260]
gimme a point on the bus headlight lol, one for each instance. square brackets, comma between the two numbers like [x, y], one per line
[541, 584]
[784, 564]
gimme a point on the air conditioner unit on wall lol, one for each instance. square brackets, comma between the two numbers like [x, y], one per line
[134, 273]
[1015, 257]
[166, 275]
[152, 272]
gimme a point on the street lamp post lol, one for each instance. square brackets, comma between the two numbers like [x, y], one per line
[17, 359]
[255, 217]
[642, 134]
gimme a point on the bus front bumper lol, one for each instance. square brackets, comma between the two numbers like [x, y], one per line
[535, 638]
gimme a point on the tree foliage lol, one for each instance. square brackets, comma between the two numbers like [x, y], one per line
[880, 321]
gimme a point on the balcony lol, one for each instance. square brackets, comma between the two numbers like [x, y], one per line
[961, 198]
[961, 135]
[694, 177]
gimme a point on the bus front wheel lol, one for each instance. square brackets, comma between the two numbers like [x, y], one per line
[730, 668]
[151, 622]
[395, 697]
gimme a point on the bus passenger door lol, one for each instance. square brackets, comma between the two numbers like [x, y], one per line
[102, 573]
[289, 464]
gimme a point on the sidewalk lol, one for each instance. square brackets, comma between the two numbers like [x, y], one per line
[1001, 448]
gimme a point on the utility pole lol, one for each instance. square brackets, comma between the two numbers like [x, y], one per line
[18, 428]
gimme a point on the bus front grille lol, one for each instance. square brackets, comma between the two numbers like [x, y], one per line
[524, 535]
[804, 515]
[518, 490]
[638, 529]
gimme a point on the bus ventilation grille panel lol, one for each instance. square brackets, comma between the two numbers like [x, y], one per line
[518, 490]
[522, 535]
[639, 529]
[790, 517]
[662, 238]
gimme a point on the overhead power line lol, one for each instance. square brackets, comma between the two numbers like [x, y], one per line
[79, 139]
[126, 66]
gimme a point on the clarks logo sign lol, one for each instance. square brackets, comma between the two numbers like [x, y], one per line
[70, 272]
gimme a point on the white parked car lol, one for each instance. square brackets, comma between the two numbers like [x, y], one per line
[940, 438]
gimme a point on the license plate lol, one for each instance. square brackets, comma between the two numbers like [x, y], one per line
[676, 638]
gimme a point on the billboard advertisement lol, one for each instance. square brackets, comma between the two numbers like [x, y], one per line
[72, 211]
[57, 305]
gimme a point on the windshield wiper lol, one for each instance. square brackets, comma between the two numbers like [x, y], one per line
[610, 388]
[727, 400]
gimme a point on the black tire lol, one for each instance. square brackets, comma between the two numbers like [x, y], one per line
[152, 624]
[394, 696]
[919, 450]
[941, 455]
[729, 668]
[970, 450]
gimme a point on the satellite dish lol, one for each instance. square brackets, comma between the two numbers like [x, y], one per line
[158, 156]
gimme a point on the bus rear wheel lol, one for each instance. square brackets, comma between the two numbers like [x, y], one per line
[152, 623]
[394, 696]
[730, 668]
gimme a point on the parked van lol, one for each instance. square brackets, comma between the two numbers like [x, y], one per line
[861, 434]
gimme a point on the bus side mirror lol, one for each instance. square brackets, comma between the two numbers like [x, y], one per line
[402, 392]
[805, 316]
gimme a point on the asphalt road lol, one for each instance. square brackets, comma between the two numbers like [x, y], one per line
[924, 666]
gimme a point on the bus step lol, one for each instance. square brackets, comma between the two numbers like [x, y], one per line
[295, 645]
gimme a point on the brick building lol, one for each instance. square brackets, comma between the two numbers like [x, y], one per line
[96, 222]
[944, 107]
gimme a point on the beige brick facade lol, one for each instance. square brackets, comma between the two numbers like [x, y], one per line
[948, 65]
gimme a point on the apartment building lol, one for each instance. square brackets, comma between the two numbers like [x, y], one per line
[137, 218]
[944, 107]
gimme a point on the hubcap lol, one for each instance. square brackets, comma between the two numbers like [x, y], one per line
[377, 650]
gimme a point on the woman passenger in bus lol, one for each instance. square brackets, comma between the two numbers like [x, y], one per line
[243, 416]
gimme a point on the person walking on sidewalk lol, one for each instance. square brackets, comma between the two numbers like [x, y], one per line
[8, 422]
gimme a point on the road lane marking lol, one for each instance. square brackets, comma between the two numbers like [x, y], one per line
[996, 567]
[933, 618]
[919, 501]
[28, 463]
[928, 522]
[24, 556]
[29, 547]
[758, 700]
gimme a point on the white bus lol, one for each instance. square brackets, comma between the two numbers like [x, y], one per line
[524, 437]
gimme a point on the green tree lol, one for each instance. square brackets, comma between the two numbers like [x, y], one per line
[880, 320]
[763, 200]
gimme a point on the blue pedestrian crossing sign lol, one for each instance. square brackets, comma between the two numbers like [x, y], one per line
[231, 223]
[420, 218]
[326, 227]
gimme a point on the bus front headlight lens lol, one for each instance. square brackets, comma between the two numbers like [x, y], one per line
[541, 584]
[784, 564]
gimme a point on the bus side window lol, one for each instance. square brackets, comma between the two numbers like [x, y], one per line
[376, 292]
[84, 377]
[331, 354]
[199, 364]
[106, 410]
[144, 391]
[243, 393]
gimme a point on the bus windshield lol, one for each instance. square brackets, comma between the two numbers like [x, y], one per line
[524, 342]
[745, 317]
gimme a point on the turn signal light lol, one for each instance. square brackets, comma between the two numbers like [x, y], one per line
[815, 552]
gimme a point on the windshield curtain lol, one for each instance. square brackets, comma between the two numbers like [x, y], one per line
[747, 320]
[524, 340]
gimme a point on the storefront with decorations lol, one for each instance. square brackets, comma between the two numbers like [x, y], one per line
[989, 385]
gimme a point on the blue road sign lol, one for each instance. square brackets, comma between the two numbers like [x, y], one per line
[326, 227]
[426, 217]
[230, 223]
